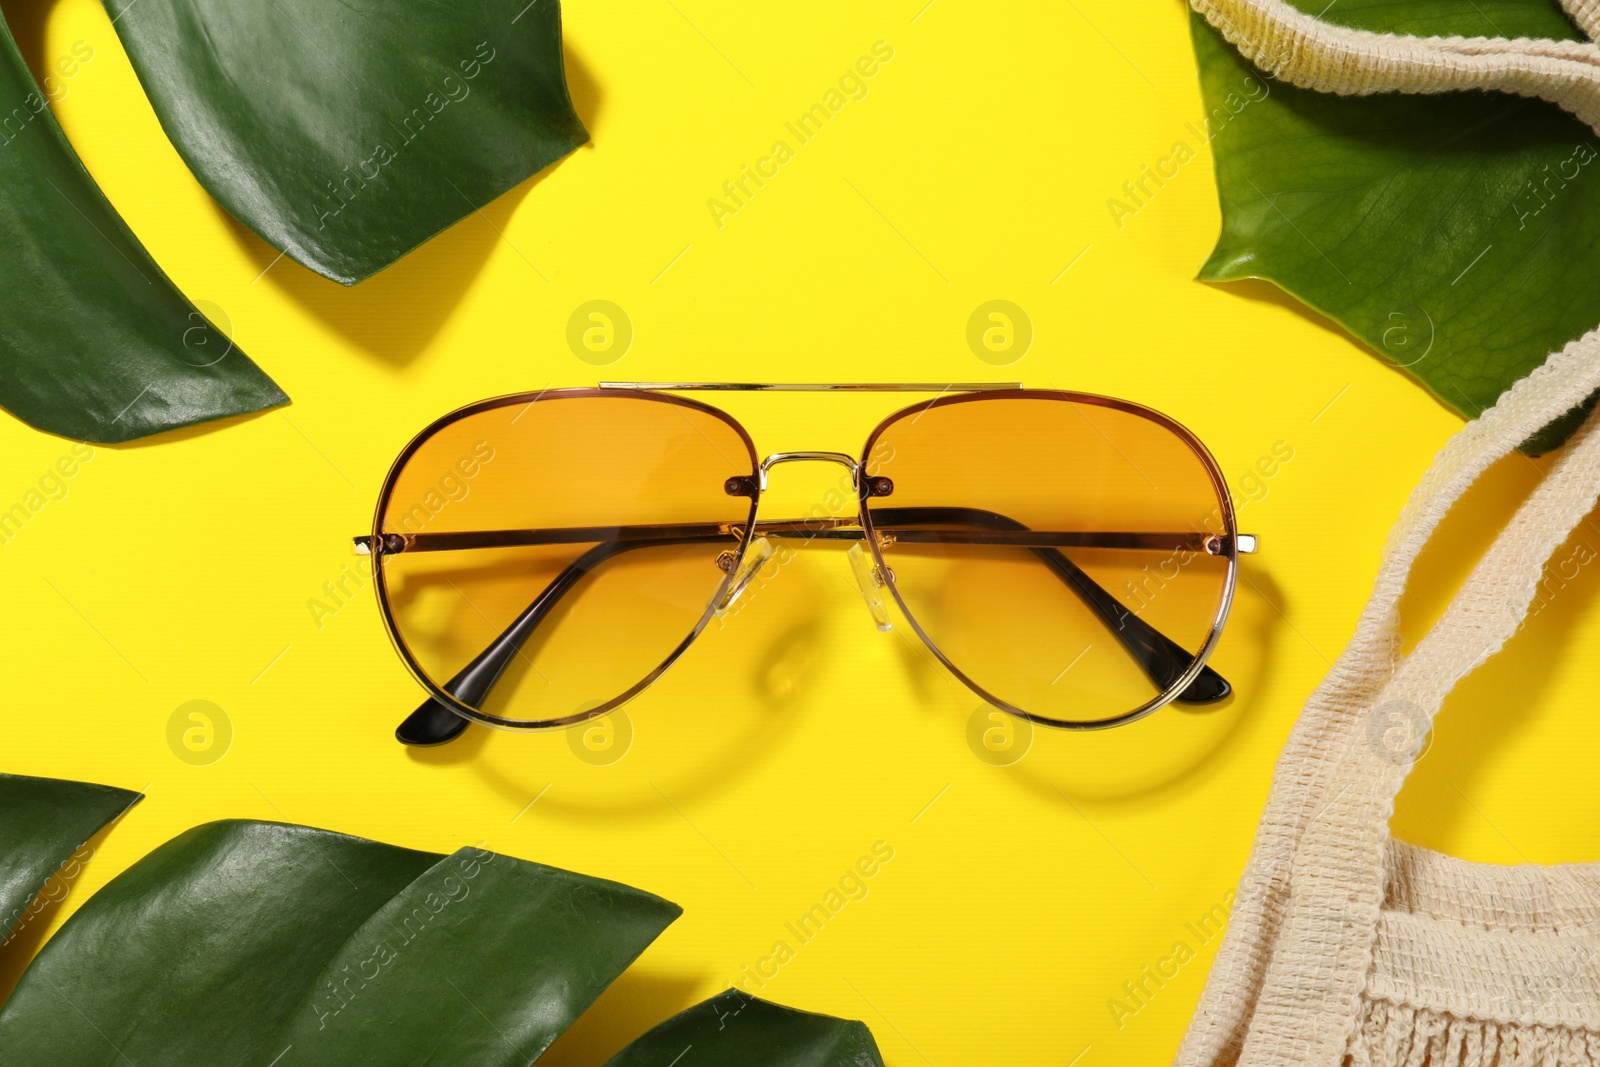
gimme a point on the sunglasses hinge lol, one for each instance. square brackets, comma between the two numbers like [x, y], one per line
[386, 545]
[1243, 544]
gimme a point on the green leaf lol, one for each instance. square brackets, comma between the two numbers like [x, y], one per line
[346, 134]
[1456, 234]
[46, 821]
[96, 342]
[736, 1029]
[258, 943]
[266, 944]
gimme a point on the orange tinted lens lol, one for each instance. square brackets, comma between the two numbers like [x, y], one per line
[561, 551]
[1052, 550]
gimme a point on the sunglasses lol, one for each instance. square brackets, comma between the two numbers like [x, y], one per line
[539, 559]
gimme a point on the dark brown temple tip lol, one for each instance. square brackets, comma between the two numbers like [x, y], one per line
[430, 724]
[1207, 688]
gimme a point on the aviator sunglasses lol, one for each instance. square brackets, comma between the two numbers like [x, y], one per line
[539, 559]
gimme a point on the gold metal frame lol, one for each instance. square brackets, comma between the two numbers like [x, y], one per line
[811, 387]
[379, 544]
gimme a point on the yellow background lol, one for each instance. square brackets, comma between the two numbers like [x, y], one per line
[978, 167]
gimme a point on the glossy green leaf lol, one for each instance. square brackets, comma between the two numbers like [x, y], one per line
[258, 943]
[734, 1029]
[1456, 234]
[46, 821]
[95, 342]
[346, 134]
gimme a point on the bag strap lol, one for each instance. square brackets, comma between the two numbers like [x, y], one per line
[1353, 685]
[1336, 881]
[1271, 995]
[1305, 51]
[1586, 13]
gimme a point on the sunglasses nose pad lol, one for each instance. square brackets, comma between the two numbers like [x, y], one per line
[869, 579]
[755, 558]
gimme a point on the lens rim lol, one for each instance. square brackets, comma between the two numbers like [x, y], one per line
[1224, 504]
[380, 580]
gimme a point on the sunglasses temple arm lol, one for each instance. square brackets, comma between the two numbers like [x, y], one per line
[434, 722]
[1162, 659]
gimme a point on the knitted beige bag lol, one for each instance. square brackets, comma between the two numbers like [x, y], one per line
[1347, 946]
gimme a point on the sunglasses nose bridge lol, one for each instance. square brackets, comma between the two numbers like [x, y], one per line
[809, 457]
[870, 578]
